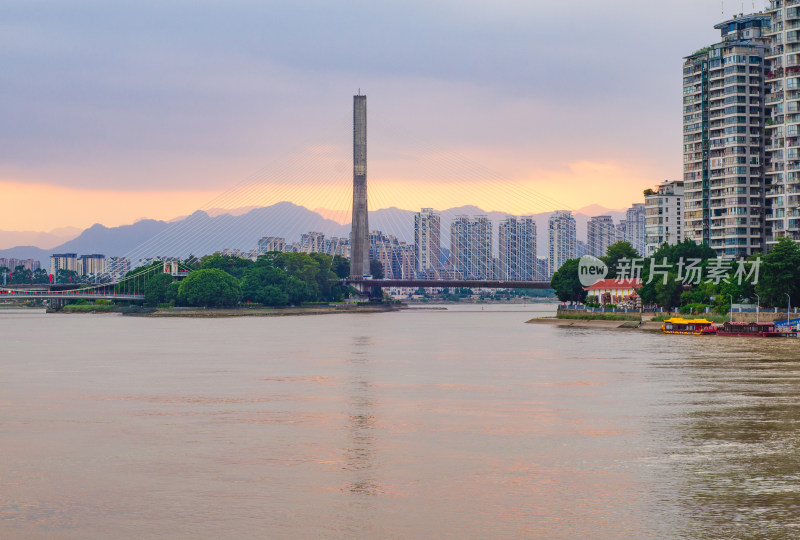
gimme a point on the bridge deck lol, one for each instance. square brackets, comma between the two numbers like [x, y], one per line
[458, 283]
[68, 296]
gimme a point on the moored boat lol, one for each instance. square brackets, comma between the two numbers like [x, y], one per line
[751, 329]
[690, 327]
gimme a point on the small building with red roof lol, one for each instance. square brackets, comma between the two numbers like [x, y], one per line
[614, 291]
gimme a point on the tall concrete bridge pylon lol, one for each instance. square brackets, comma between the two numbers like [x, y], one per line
[359, 236]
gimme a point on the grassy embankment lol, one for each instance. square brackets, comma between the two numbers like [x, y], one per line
[598, 317]
[88, 308]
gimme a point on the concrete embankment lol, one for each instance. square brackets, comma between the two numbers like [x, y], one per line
[266, 312]
[606, 325]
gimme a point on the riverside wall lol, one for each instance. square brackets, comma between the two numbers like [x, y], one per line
[764, 316]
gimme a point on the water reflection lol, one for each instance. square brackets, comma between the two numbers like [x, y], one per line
[736, 458]
[360, 453]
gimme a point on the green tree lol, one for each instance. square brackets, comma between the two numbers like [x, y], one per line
[272, 295]
[340, 267]
[262, 284]
[685, 250]
[780, 274]
[668, 294]
[209, 287]
[616, 252]
[298, 291]
[21, 275]
[173, 293]
[235, 266]
[376, 269]
[567, 284]
[40, 275]
[66, 276]
[155, 290]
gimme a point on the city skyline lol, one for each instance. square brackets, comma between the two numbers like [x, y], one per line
[168, 131]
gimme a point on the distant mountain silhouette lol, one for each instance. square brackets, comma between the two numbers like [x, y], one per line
[201, 233]
[39, 239]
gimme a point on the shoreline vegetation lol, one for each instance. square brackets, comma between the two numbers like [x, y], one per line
[267, 312]
[222, 312]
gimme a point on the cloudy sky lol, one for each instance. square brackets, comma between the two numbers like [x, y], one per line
[113, 111]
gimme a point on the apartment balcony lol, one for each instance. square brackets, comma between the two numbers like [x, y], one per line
[774, 98]
[776, 50]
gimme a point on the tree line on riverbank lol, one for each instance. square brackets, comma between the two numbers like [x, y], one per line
[274, 279]
[669, 281]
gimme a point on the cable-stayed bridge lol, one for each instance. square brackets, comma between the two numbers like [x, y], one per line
[128, 288]
[177, 240]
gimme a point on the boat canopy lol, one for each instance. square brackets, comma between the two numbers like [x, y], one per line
[677, 320]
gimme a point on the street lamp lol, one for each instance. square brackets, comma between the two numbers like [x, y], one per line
[758, 302]
[731, 307]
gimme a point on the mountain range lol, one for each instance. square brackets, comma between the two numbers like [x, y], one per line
[207, 232]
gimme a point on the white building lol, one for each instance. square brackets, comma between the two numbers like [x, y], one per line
[563, 243]
[782, 126]
[663, 216]
[337, 246]
[63, 261]
[601, 233]
[635, 227]
[271, 243]
[471, 247]
[517, 249]
[117, 267]
[427, 233]
[312, 242]
[724, 134]
[91, 265]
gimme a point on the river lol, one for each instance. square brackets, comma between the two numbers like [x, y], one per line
[459, 423]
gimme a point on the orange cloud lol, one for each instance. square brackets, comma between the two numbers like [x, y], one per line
[38, 206]
[33, 206]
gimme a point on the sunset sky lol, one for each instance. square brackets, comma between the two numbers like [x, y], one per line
[115, 111]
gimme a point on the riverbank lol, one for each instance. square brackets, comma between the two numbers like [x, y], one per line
[265, 312]
[649, 326]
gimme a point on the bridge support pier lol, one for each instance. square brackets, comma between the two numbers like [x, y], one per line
[366, 292]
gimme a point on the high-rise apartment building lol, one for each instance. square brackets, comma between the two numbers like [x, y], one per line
[312, 242]
[117, 267]
[622, 228]
[27, 264]
[723, 143]
[782, 129]
[91, 265]
[271, 243]
[337, 246]
[663, 216]
[601, 233]
[471, 247]
[635, 227]
[517, 249]
[563, 243]
[403, 266]
[381, 248]
[427, 232]
[63, 261]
